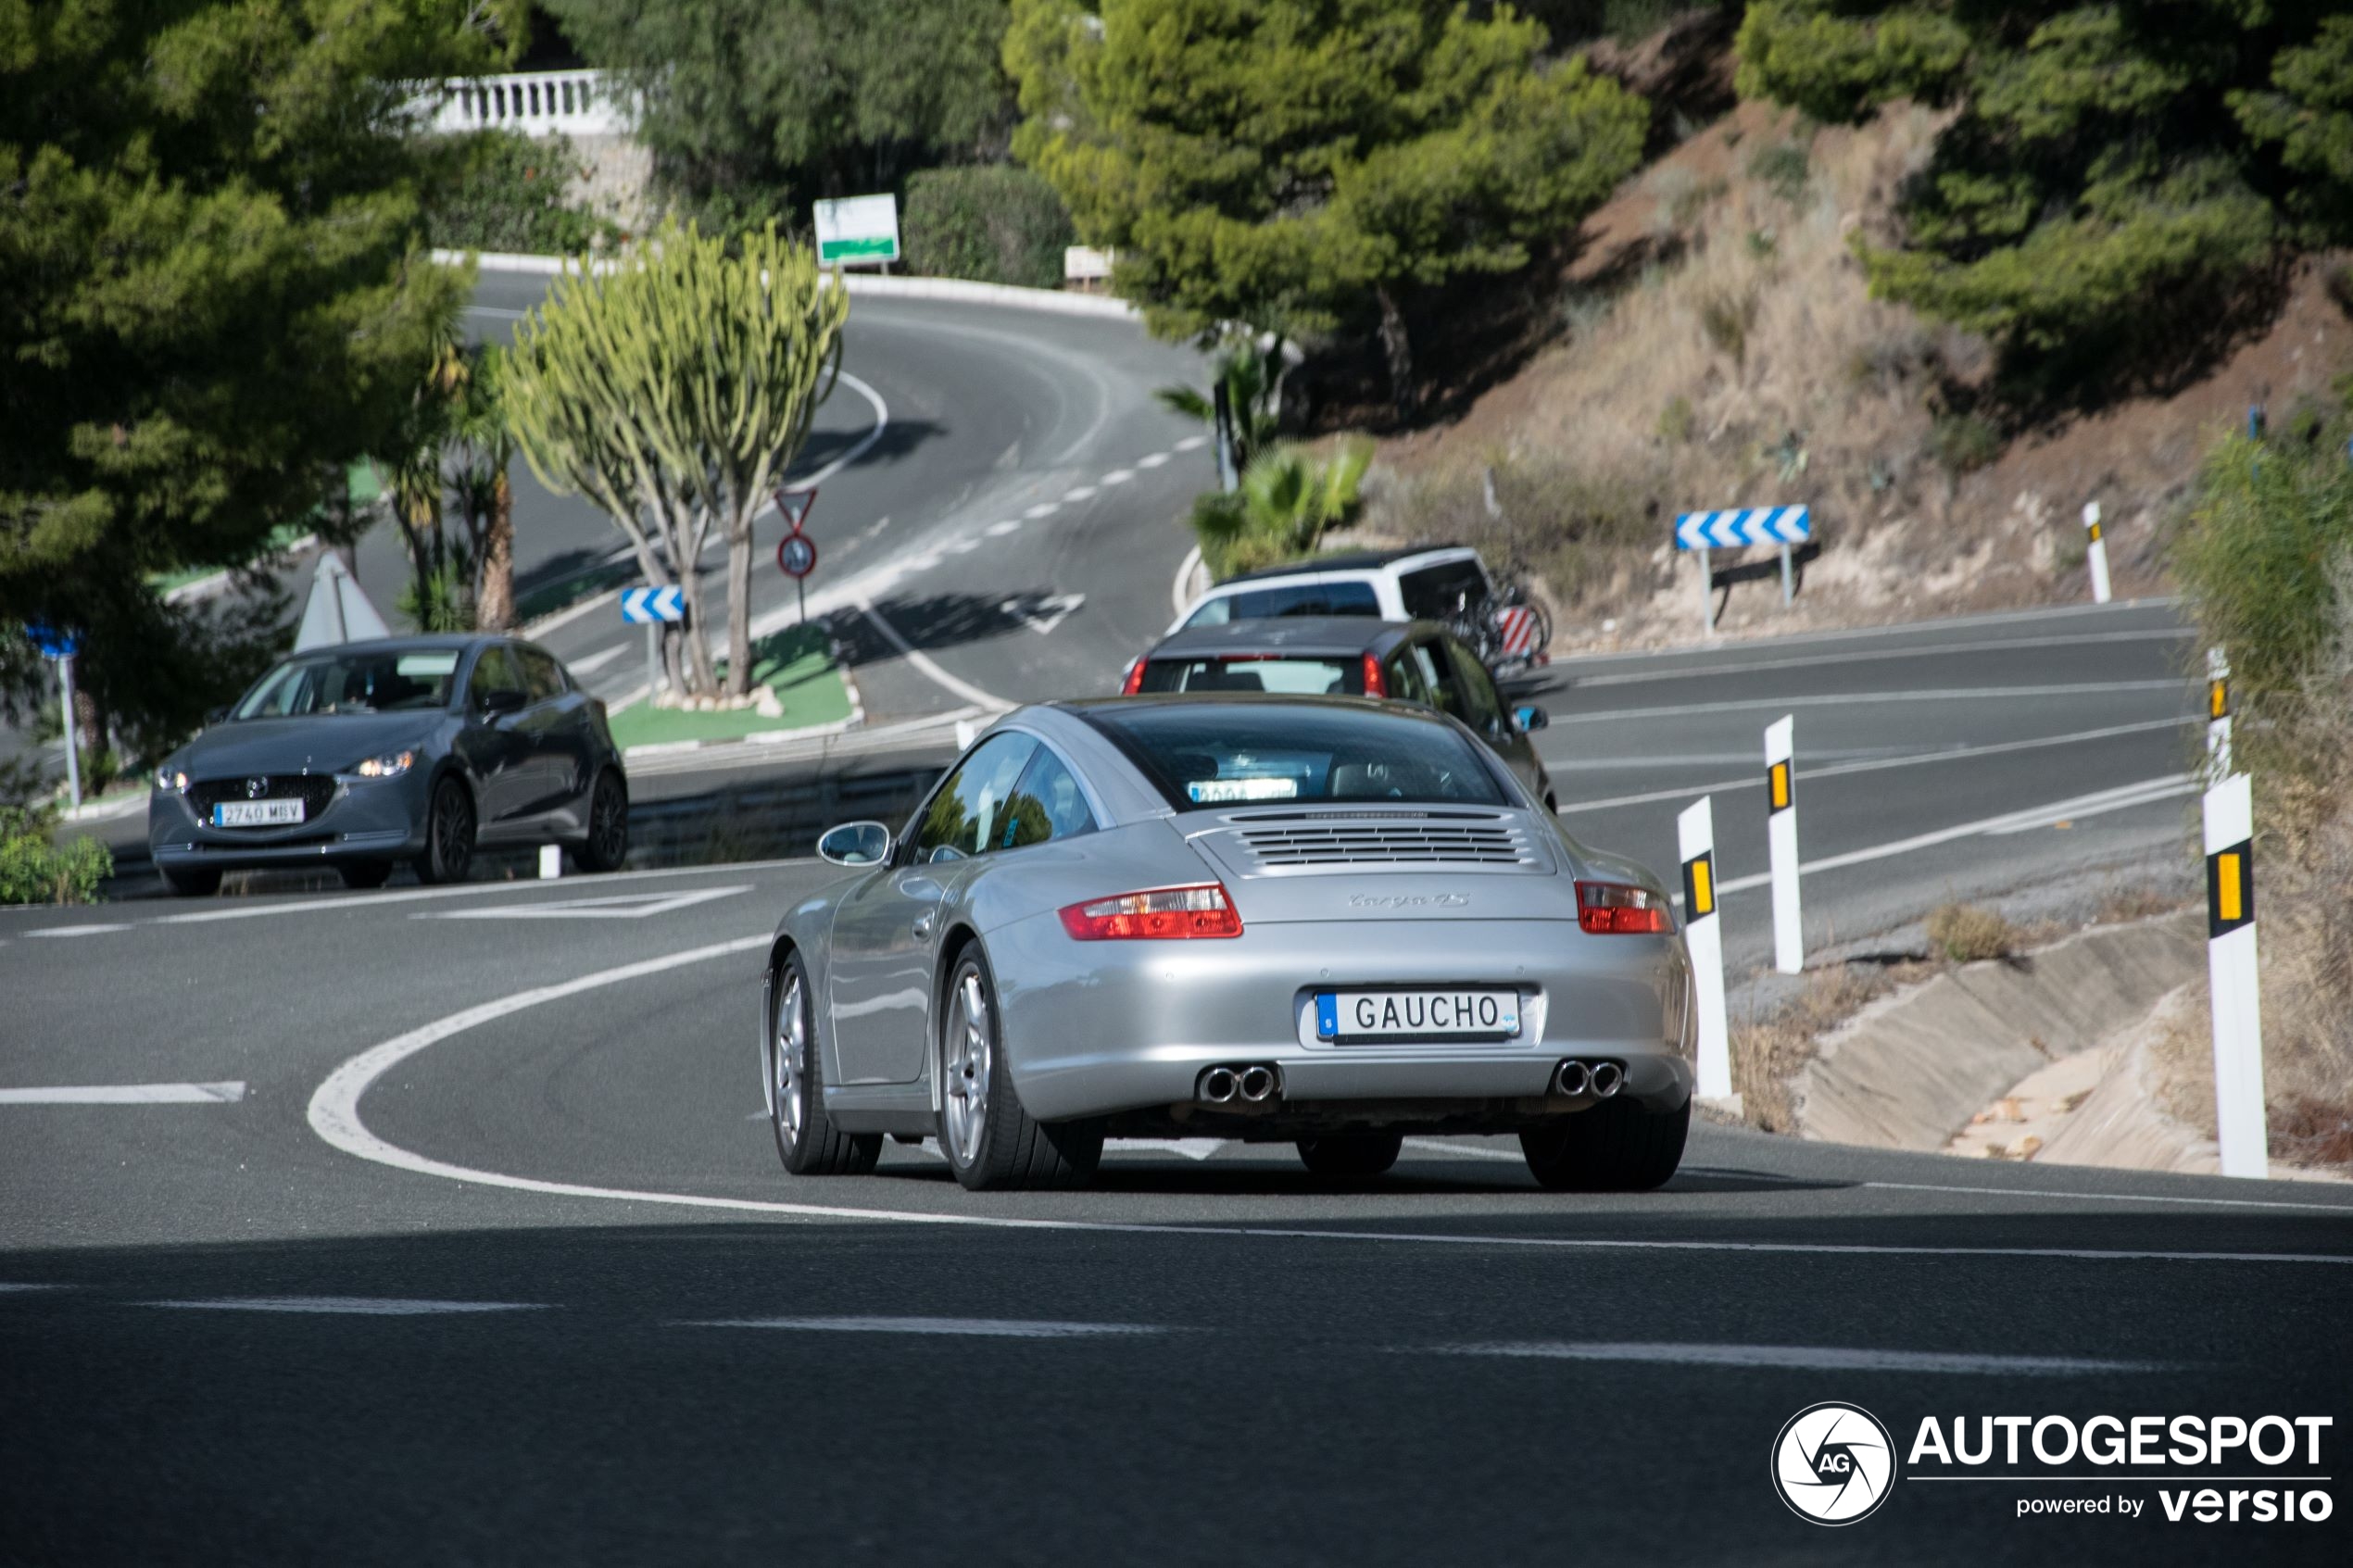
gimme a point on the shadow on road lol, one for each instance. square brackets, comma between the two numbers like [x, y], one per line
[933, 622]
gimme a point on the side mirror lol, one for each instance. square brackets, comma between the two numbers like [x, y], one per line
[1530, 717]
[214, 716]
[504, 699]
[855, 843]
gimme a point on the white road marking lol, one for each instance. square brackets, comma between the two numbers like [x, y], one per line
[2076, 809]
[333, 1114]
[2111, 1197]
[1043, 508]
[1176, 595]
[596, 660]
[1914, 760]
[6, 1287]
[406, 895]
[618, 906]
[1116, 476]
[1848, 699]
[963, 547]
[1465, 1150]
[1191, 1149]
[1634, 677]
[127, 1093]
[95, 928]
[360, 1306]
[1043, 616]
[998, 530]
[984, 1328]
[1193, 443]
[1079, 492]
[924, 663]
[1802, 1357]
[1154, 462]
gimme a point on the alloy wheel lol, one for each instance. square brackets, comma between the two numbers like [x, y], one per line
[965, 1053]
[792, 1039]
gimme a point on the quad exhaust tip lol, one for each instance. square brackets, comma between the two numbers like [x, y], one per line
[1220, 1085]
[1253, 1085]
[1600, 1079]
[1257, 1084]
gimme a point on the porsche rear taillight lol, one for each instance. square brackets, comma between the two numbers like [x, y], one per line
[1134, 680]
[1618, 908]
[1158, 914]
[1373, 684]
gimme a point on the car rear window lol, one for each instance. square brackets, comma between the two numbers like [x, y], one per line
[1440, 593]
[1223, 754]
[1288, 599]
[1290, 674]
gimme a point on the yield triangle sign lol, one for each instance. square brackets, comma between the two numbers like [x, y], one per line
[618, 906]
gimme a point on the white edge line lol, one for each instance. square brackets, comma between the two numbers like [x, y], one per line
[929, 667]
[333, 1114]
[127, 1093]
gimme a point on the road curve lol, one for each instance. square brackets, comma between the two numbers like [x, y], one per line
[569, 1305]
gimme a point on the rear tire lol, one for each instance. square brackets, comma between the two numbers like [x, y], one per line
[365, 873]
[990, 1140]
[1351, 1157]
[196, 881]
[449, 834]
[807, 1139]
[1615, 1146]
[607, 842]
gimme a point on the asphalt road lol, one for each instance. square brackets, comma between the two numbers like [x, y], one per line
[486, 1257]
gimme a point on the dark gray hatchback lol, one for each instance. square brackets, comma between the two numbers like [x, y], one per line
[364, 755]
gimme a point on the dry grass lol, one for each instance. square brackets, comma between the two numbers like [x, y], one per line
[2127, 902]
[1768, 1052]
[1753, 369]
[1970, 934]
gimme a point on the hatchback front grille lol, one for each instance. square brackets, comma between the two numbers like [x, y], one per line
[315, 790]
[1407, 841]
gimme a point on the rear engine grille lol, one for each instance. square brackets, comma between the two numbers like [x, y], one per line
[1414, 841]
[315, 790]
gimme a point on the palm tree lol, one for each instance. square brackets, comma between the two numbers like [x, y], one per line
[1252, 379]
[1286, 502]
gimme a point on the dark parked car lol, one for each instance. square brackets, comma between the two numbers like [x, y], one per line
[1416, 661]
[364, 755]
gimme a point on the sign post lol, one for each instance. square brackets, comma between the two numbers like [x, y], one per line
[1780, 828]
[2095, 552]
[796, 552]
[1704, 532]
[1704, 939]
[653, 609]
[857, 232]
[62, 645]
[2233, 977]
[2218, 713]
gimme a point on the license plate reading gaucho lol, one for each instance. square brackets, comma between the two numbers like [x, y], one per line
[1346, 1016]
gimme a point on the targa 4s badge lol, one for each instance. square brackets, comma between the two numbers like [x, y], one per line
[1833, 1463]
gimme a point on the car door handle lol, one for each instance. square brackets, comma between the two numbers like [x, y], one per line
[923, 924]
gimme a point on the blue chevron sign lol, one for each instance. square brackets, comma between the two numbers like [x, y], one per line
[1758, 525]
[641, 605]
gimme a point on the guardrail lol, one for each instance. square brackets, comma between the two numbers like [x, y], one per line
[552, 102]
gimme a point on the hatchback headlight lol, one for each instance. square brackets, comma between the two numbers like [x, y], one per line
[172, 781]
[389, 766]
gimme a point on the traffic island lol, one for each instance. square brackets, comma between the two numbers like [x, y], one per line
[800, 688]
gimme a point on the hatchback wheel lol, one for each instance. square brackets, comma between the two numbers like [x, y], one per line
[806, 1139]
[449, 834]
[1615, 1146]
[607, 842]
[991, 1142]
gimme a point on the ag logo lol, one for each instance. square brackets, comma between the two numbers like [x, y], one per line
[1833, 1463]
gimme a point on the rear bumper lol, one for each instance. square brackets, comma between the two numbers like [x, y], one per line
[1132, 1029]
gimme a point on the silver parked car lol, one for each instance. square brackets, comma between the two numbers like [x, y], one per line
[1312, 919]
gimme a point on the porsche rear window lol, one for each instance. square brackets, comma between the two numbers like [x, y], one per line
[1223, 754]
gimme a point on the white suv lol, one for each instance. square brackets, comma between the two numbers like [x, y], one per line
[1428, 584]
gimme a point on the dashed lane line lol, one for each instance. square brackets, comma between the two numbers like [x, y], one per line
[126, 1094]
[333, 1114]
[1849, 699]
[95, 928]
[981, 1328]
[356, 1306]
[1876, 656]
[1154, 462]
[1800, 1357]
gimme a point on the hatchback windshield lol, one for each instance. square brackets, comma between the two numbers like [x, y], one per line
[1293, 675]
[345, 681]
[1241, 753]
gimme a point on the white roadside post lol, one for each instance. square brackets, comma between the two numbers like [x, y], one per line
[2231, 974]
[1704, 938]
[551, 861]
[73, 739]
[2095, 552]
[1706, 595]
[2217, 714]
[1781, 829]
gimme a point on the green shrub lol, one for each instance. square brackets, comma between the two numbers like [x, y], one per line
[1963, 442]
[1782, 168]
[994, 223]
[1285, 501]
[503, 191]
[34, 871]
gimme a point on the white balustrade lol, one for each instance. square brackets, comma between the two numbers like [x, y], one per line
[567, 103]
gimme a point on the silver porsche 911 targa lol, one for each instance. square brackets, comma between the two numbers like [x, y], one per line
[1310, 919]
